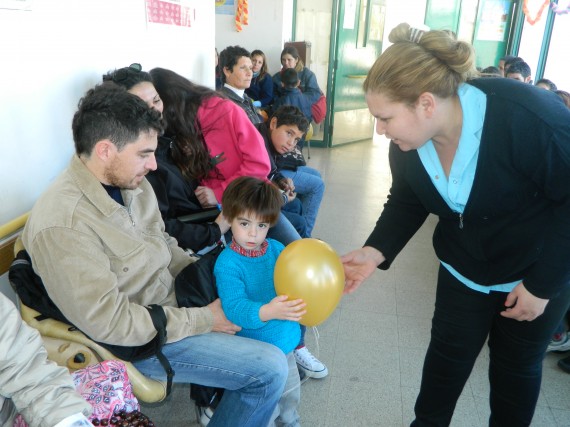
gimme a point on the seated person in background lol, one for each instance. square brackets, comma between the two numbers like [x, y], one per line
[520, 71]
[290, 58]
[30, 384]
[502, 62]
[286, 127]
[546, 84]
[292, 95]
[174, 191]
[261, 87]
[491, 71]
[564, 96]
[244, 277]
[235, 63]
[97, 240]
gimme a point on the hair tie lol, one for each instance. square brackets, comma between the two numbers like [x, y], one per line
[416, 35]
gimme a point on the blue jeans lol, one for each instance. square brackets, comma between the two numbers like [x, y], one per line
[462, 320]
[253, 374]
[294, 213]
[310, 188]
[283, 231]
[286, 414]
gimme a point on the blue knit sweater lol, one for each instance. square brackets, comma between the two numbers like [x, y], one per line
[244, 285]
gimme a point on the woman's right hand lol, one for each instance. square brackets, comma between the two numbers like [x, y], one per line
[222, 223]
[206, 197]
[359, 266]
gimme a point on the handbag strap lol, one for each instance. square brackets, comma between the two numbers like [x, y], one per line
[158, 317]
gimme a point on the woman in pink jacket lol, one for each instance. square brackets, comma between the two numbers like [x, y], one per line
[213, 141]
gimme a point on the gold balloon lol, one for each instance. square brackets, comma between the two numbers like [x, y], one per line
[311, 270]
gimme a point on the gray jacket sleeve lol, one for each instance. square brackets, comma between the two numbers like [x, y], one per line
[41, 391]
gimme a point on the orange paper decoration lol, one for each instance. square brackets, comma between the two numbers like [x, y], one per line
[534, 20]
[241, 15]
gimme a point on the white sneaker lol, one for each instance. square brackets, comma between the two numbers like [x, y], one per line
[561, 345]
[204, 415]
[312, 366]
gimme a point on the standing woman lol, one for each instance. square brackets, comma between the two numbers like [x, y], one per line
[307, 79]
[490, 158]
[261, 87]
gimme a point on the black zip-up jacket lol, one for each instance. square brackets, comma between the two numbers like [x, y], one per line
[176, 198]
[516, 223]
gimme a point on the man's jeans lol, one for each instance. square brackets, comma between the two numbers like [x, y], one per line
[310, 188]
[253, 373]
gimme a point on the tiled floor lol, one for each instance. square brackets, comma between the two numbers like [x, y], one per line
[374, 343]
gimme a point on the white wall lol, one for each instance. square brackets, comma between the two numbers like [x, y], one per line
[270, 26]
[398, 11]
[52, 55]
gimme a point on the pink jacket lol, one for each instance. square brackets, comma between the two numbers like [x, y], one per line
[228, 130]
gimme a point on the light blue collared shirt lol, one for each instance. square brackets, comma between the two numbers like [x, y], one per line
[456, 189]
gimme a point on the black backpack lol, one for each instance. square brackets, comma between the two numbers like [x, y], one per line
[32, 292]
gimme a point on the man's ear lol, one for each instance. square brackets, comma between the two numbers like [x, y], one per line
[426, 103]
[104, 150]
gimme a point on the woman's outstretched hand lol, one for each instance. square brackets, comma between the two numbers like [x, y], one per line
[359, 266]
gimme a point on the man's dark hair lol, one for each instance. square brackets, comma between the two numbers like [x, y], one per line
[248, 195]
[290, 78]
[512, 60]
[290, 115]
[520, 67]
[491, 71]
[110, 112]
[229, 57]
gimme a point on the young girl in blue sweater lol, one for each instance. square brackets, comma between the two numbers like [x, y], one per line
[244, 277]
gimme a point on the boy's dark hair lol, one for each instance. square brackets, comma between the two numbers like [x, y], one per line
[110, 112]
[229, 58]
[549, 83]
[254, 196]
[491, 71]
[520, 67]
[291, 115]
[290, 78]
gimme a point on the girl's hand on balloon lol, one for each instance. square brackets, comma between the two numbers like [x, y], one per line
[281, 308]
[359, 266]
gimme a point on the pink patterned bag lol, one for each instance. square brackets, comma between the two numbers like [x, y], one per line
[107, 388]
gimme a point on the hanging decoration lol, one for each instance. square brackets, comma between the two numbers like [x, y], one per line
[534, 20]
[241, 15]
[560, 9]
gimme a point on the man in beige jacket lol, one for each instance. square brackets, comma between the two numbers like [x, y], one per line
[97, 239]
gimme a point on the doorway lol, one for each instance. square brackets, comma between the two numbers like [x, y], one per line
[346, 38]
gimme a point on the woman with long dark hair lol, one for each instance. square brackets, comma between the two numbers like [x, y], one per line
[212, 141]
